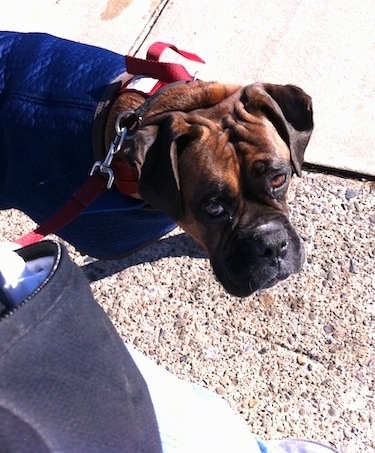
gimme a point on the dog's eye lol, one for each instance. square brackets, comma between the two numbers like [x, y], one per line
[278, 181]
[214, 209]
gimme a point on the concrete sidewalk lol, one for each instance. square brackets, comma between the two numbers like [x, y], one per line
[325, 47]
[297, 360]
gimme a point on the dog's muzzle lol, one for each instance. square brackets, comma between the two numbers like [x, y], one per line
[259, 256]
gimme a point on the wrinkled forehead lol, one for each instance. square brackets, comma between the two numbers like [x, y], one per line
[231, 147]
[212, 158]
[255, 137]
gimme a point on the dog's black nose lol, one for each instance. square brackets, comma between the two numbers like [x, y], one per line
[271, 241]
[271, 249]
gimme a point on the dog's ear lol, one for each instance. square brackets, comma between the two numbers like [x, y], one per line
[289, 108]
[155, 151]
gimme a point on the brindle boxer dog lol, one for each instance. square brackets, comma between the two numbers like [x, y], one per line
[218, 159]
[215, 158]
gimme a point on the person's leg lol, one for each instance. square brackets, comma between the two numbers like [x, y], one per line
[191, 418]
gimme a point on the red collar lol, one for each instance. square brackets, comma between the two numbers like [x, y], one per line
[126, 177]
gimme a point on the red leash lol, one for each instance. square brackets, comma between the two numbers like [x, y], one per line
[94, 186]
[103, 174]
[82, 198]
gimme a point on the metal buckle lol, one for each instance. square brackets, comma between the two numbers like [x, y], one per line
[125, 122]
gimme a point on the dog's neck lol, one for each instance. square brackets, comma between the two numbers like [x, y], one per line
[129, 96]
[127, 93]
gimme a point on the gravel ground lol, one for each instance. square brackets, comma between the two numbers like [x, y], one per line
[295, 360]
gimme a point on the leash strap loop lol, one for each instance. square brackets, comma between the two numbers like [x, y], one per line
[166, 72]
[155, 50]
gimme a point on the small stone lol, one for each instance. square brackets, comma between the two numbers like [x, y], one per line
[161, 335]
[262, 351]
[351, 193]
[361, 376]
[352, 267]
[347, 433]
[312, 316]
[332, 411]
[372, 218]
[111, 312]
[220, 390]
[210, 353]
[223, 382]
[253, 402]
[328, 329]
[334, 348]
[301, 359]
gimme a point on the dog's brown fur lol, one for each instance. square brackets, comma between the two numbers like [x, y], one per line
[205, 146]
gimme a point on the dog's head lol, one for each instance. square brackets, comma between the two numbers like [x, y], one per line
[218, 160]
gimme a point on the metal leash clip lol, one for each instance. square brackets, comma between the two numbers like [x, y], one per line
[126, 122]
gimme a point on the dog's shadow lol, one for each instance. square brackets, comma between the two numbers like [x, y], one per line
[170, 246]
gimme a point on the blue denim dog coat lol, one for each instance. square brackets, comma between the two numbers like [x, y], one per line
[49, 91]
